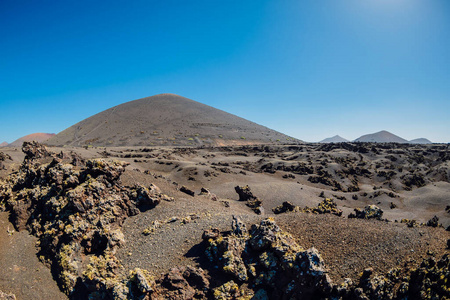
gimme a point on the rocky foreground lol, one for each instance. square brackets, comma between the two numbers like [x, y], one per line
[76, 208]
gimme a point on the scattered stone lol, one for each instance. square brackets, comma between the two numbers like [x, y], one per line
[326, 206]
[252, 201]
[4, 157]
[285, 207]
[204, 191]
[152, 228]
[5, 296]
[238, 227]
[189, 218]
[434, 222]
[186, 190]
[410, 223]
[286, 176]
[210, 234]
[172, 220]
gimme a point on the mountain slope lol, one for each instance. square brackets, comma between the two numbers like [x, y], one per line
[334, 139]
[420, 141]
[381, 137]
[165, 119]
[38, 137]
[4, 144]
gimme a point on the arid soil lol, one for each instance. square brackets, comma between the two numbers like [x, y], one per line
[407, 182]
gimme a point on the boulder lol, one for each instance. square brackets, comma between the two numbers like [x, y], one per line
[252, 201]
[369, 212]
[186, 190]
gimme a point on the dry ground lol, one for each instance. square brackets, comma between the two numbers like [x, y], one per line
[275, 174]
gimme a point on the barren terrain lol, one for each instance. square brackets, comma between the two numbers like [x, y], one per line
[409, 183]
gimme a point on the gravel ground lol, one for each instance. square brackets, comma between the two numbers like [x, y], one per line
[21, 271]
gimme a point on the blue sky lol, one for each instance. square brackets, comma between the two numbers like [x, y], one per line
[310, 69]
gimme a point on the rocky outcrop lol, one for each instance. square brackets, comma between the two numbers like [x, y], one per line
[34, 150]
[369, 212]
[268, 260]
[326, 206]
[253, 202]
[4, 157]
[266, 263]
[76, 212]
[286, 206]
[434, 222]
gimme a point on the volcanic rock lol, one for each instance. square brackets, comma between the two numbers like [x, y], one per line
[369, 212]
[252, 201]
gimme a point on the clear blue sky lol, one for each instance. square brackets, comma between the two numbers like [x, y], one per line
[310, 69]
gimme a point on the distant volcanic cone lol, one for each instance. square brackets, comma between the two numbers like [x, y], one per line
[166, 119]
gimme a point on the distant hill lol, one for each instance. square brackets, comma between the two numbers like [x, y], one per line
[334, 139]
[381, 137]
[166, 119]
[420, 141]
[38, 137]
[4, 144]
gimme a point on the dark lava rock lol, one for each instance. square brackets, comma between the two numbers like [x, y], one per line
[187, 191]
[369, 212]
[76, 214]
[284, 207]
[270, 261]
[34, 150]
[434, 222]
[252, 201]
[4, 157]
[266, 263]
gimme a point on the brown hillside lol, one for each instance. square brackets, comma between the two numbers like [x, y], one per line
[165, 119]
[381, 137]
[38, 137]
